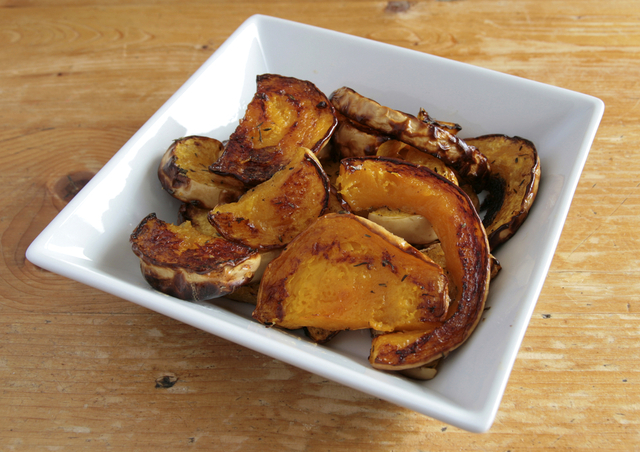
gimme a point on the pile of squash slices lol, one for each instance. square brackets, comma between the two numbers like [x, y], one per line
[334, 214]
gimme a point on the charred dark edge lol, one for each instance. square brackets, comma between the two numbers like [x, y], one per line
[180, 288]
[325, 181]
[494, 200]
[427, 119]
[249, 178]
[170, 174]
[496, 196]
[269, 291]
[138, 230]
[250, 252]
[230, 262]
[345, 208]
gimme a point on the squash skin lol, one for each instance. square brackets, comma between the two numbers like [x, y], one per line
[374, 182]
[182, 262]
[284, 114]
[271, 214]
[415, 229]
[351, 139]
[466, 160]
[376, 280]
[451, 127]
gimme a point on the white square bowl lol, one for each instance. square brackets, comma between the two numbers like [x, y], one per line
[89, 240]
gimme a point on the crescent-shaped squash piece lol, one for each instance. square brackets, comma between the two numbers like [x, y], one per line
[374, 182]
[269, 215]
[284, 114]
[182, 262]
[513, 184]
[345, 272]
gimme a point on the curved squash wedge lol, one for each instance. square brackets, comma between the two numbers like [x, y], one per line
[184, 263]
[513, 184]
[346, 273]
[269, 215]
[370, 183]
[284, 114]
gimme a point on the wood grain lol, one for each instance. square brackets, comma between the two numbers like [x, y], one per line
[81, 369]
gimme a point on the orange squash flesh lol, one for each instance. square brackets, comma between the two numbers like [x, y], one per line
[271, 214]
[374, 182]
[285, 114]
[345, 272]
[184, 173]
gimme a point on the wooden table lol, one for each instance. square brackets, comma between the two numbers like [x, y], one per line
[83, 370]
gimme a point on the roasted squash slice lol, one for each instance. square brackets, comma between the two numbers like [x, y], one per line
[184, 173]
[466, 160]
[347, 273]
[271, 214]
[374, 182]
[182, 262]
[285, 114]
[515, 175]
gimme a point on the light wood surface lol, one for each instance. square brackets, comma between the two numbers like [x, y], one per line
[83, 370]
